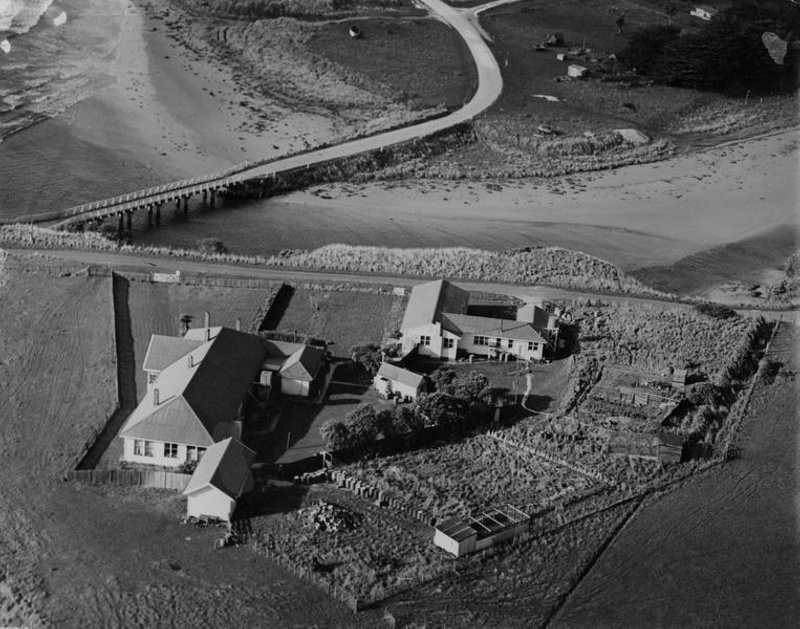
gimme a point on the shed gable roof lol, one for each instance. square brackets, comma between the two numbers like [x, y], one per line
[224, 466]
[398, 374]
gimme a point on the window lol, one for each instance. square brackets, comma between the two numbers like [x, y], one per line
[148, 448]
[151, 377]
[171, 450]
[424, 340]
[138, 447]
[510, 343]
[194, 453]
[533, 347]
[481, 340]
[448, 343]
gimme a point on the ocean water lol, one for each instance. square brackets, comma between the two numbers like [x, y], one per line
[53, 54]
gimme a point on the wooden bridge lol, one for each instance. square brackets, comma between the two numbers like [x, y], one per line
[489, 88]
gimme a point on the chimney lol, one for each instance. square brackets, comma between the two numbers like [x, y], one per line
[155, 397]
[238, 325]
[208, 333]
[207, 319]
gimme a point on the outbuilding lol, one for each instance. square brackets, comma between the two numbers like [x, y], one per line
[576, 71]
[394, 381]
[222, 476]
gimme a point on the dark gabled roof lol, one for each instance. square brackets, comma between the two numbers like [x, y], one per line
[502, 328]
[225, 466]
[299, 361]
[429, 300]
[194, 400]
[165, 350]
[398, 374]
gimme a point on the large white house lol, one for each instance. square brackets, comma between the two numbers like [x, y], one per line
[436, 323]
[193, 402]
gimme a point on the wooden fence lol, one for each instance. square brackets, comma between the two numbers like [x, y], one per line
[158, 479]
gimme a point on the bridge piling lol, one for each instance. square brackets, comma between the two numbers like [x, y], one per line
[213, 199]
[129, 217]
[120, 223]
[186, 203]
[158, 212]
[149, 215]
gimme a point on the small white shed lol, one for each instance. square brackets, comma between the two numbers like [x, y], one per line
[392, 380]
[576, 71]
[221, 478]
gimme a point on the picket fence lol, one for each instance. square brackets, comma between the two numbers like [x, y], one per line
[158, 479]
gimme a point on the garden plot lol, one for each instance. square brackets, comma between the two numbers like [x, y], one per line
[656, 340]
[351, 544]
[463, 478]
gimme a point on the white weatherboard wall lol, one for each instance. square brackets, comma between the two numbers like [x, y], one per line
[412, 336]
[295, 387]
[452, 546]
[158, 457]
[519, 348]
[210, 502]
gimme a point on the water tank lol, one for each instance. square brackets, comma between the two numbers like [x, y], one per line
[552, 322]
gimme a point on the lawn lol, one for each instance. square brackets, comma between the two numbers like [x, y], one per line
[345, 318]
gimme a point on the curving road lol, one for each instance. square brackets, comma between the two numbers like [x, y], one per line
[490, 86]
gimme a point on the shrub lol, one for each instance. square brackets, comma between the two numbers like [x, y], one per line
[716, 311]
[211, 245]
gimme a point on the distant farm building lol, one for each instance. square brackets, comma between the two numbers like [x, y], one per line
[704, 12]
[491, 527]
[220, 479]
[393, 381]
[576, 71]
[663, 447]
[436, 324]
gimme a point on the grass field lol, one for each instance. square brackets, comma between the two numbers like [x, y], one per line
[346, 318]
[734, 526]
[434, 70]
[99, 557]
[508, 142]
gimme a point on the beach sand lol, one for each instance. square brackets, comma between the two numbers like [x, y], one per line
[166, 113]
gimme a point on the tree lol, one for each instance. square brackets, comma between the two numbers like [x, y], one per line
[335, 434]
[407, 419]
[364, 426]
[645, 46]
[442, 409]
[368, 356]
[442, 380]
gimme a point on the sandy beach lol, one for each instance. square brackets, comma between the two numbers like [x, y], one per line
[164, 113]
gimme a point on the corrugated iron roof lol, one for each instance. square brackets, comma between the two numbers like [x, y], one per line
[165, 350]
[225, 466]
[398, 374]
[304, 364]
[429, 300]
[488, 326]
[212, 388]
